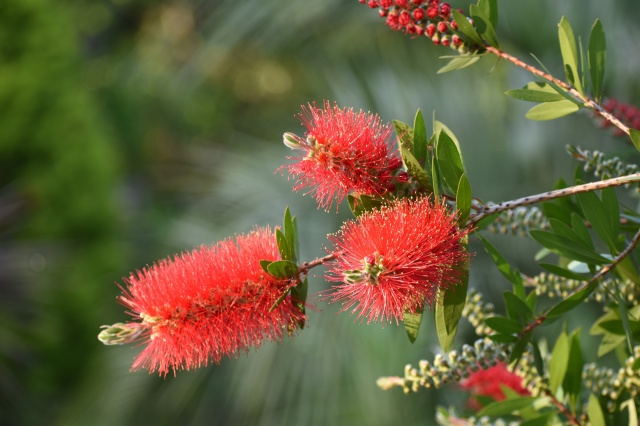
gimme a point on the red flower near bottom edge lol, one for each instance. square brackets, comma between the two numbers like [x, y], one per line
[488, 383]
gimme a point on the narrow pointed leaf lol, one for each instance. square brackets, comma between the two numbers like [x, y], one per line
[569, 53]
[567, 248]
[482, 22]
[559, 362]
[449, 308]
[551, 110]
[507, 407]
[534, 95]
[466, 29]
[503, 325]
[458, 63]
[282, 269]
[572, 301]
[449, 161]
[597, 58]
[635, 137]
[420, 140]
[490, 9]
[412, 323]
[463, 200]
[594, 411]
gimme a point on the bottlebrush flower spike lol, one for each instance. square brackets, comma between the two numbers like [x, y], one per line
[422, 17]
[395, 259]
[487, 383]
[344, 152]
[205, 304]
[627, 113]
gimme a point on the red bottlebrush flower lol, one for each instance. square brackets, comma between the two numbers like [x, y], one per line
[395, 259]
[344, 152]
[487, 383]
[208, 303]
[627, 113]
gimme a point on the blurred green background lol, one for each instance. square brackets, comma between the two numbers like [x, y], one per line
[134, 129]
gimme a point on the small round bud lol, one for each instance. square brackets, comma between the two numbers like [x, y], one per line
[292, 141]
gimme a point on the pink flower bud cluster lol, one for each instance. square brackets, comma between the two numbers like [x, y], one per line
[431, 18]
[628, 114]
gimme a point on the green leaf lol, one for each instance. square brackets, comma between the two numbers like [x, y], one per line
[564, 230]
[463, 200]
[573, 378]
[519, 348]
[508, 406]
[280, 300]
[435, 176]
[466, 29]
[517, 308]
[569, 53]
[535, 95]
[299, 298]
[597, 58]
[290, 232]
[282, 269]
[572, 301]
[562, 272]
[264, 264]
[635, 137]
[630, 405]
[363, 204]
[412, 323]
[404, 133]
[482, 22]
[503, 325]
[439, 127]
[598, 216]
[420, 140]
[449, 306]
[509, 273]
[458, 63]
[542, 419]
[567, 248]
[577, 224]
[283, 245]
[503, 338]
[594, 411]
[449, 161]
[558, 362]
[551, 110]
[490, 9]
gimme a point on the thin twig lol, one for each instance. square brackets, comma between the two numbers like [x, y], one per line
[564, 192]
[564, 410]
[587, 103]
[605, 270]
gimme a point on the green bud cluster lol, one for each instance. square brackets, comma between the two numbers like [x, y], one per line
[531, 379]
[476, 311]
[449, 417]
[452, 367]
[613, 385]
[596, 162]
[554, 286]
[519, 221]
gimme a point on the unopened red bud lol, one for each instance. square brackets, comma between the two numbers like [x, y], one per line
[445, 9]
[403, 177]
[432, 12]
[386, 3]
[454, 25]
[417, 2]
[383, 12]
[402, 3]
[418, 14]
[405, 18]
[446, 41]
[373, 4]
[436, 39]
[457, 41]
[430, 30]
[442, 27]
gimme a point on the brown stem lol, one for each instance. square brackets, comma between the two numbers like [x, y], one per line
[587, 103]
[564, 410]
[604, 271]
[306, 266]
[564, 192]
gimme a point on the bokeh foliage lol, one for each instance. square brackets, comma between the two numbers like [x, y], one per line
[133, 129]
